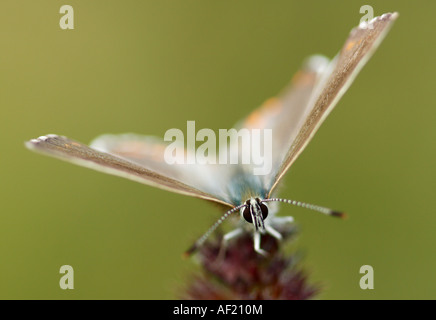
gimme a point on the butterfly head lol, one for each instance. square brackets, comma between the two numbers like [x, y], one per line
[255, 212]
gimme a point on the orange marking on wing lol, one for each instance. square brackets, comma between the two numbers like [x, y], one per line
[270, 107]
[352, 44]
[303, 78]
[131, 149]
[253, 118]
[136, 150]
[158, 152]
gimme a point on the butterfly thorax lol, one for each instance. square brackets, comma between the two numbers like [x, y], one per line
[245, 186]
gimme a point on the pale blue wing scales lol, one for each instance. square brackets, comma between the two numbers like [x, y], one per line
[149, 152]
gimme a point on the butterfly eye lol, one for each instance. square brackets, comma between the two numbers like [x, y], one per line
[247, 215]
[264, 209]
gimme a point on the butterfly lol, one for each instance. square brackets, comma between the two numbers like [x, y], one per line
[293, 116]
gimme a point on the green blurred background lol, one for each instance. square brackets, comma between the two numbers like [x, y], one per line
[147, 66]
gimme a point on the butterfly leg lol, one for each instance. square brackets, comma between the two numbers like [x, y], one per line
[282, 220]
[226, 238]
[273, 232]
[257, 248]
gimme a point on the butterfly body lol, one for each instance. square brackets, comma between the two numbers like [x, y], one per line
[245, 186]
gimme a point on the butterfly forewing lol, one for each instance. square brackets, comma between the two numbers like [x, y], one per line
[149, 152]
[284, 114]
[336, 79]
[78, 153]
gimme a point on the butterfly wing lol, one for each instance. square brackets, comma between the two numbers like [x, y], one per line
[161, 177]
[284, 115]
[358, 48]
[149, 152]
[296, 114]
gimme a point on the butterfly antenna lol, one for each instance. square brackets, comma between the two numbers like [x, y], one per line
[324, 210]
[203, 238]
